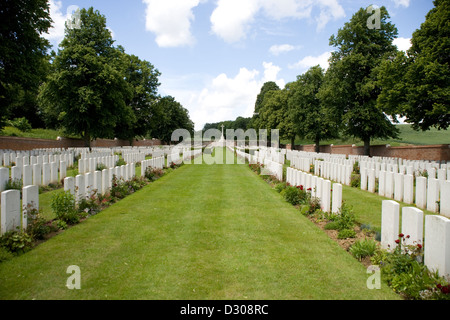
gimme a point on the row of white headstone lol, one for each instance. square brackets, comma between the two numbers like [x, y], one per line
[273, 168]
[13, 216]
[21, 158]
[85, 185]
[426, 193]
[90, 164]
[156, 163]
[330, 199]
[36, 174]
[435, 240]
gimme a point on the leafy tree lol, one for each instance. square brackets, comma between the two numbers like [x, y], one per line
[310, 118]
[417, 85]
[86, 90]
[350, 89]
[274, 114]
[172, 116]
[268, 86]
[142, 77]
[22, 55]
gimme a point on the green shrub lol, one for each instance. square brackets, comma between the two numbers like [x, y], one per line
[16, 242]
[346, 233]
[37, 226]
[21, 123]
[63, 205]
[333, 225]
[280, 187]
[292, 195]
[356, 167]
[120, 162]
[355, 180]
[119, 189]
[153, 174]
[14, 184]
[345, 218]
[405, 273]
[363, 248]
[101, 167]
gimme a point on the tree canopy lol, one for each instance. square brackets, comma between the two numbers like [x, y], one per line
[86, 89]
[23, 56]
[350, 88]
[416, 84]
[309, 117]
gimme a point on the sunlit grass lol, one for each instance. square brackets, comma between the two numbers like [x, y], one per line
[201, 232]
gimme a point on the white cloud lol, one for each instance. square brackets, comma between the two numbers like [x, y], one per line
[56, 33]
[224, 97]
[171, 21]
[404, 3]
[403, 44]
[311, 61]
[276, 50]
[232, 19]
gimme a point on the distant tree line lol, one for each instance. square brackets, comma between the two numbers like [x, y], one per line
[89, 88]
[368, 83]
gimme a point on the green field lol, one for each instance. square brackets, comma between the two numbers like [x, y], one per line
[201, 232]
[407, 136]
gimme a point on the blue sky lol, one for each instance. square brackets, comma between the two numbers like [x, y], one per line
[214, 55]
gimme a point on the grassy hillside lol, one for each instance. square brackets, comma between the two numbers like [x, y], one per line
[407, 136]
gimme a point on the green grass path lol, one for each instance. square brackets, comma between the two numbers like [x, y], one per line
[202, 232]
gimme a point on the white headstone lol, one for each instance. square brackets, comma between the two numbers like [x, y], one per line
[412, 225]
[337, 197]
[432, 195]
[408, 189]
[445, 199]
[390, 224]
[381, 182]
[27, 175]
[437, 244]
[10, 211]
[398, 186]
[80, 188]
[37, 174]
[421, 192]
[326, 195]
[46, 173]
[4, 177]
[30, 201]
[69, 185]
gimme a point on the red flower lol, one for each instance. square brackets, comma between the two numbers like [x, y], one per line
[309, 189]
[408, 236]
[401, 235]
[397, 241]
[419, 246]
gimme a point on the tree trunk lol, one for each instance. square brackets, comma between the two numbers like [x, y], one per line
[317, 148]
[293, 143]
[367, 147]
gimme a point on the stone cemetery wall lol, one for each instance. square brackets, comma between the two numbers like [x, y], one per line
[23, 144]
[426, 153]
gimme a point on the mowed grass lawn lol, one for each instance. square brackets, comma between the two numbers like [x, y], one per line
[202, 232]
